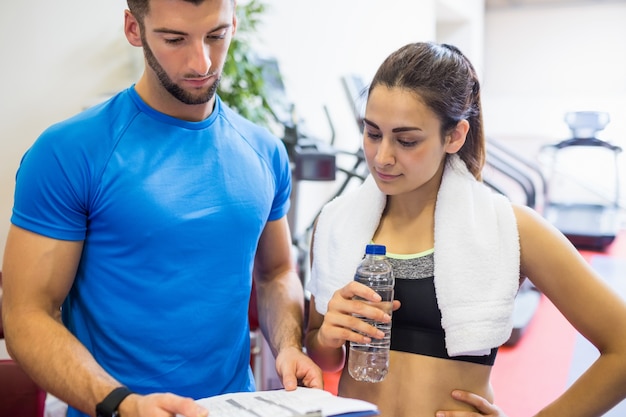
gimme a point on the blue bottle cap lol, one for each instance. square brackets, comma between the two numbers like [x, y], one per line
[372, 249]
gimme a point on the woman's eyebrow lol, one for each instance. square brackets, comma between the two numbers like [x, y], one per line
[368, 122]
[394, 130]
[405, 129]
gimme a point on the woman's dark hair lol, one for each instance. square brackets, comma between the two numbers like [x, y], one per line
[447, 83]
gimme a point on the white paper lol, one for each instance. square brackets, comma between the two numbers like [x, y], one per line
[301, 402]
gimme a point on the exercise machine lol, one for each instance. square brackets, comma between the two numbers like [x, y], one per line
[522, 181]
[583, 192]
[312, 159]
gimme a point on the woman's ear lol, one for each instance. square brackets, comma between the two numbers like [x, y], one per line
[456, 138]
[132, 29]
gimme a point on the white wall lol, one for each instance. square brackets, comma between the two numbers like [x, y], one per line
[318, 41]
[461, 23]
[56, 57]
[541, 62]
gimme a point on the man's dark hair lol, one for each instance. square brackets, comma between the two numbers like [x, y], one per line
[140, 8]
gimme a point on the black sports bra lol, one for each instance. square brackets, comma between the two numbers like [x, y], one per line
[416, 325]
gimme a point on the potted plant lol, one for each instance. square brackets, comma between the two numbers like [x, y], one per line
[243, 86]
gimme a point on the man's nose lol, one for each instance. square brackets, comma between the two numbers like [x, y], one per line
[200, 59]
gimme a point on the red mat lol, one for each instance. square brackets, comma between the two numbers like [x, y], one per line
[531, 374]
[331, 380]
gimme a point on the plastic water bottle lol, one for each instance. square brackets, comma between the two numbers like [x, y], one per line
[370, 362]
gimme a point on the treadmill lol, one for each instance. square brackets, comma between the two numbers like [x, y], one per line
[522, 181]
[582, 198]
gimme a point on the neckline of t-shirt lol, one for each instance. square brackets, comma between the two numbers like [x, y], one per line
[164, 118]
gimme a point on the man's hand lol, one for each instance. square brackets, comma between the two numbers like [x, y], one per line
[161, 405]
[293, 366]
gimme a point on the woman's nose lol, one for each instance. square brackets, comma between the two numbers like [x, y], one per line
[384, 153]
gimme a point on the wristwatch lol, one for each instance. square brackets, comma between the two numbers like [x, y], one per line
[108, 406]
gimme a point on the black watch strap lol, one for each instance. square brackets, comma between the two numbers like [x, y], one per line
[108, 406]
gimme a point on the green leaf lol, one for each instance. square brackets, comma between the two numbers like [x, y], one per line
[242, 87]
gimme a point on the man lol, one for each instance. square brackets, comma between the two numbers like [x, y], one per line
[137, 227]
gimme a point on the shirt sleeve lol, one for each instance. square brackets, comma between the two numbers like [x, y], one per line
[50, 192]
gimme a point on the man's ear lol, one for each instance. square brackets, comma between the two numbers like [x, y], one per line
[456, 138]
[132, 30]
[235, 21]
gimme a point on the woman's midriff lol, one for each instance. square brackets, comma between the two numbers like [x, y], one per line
[418, 386]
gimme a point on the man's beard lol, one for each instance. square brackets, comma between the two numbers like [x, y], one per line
[174, 89]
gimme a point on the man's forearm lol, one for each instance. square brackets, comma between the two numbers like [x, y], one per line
[281, 312]
[56, 360]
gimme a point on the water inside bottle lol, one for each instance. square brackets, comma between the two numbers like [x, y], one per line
[370, 362]
[367, 363]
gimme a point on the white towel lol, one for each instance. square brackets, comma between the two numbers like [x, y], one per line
[476, 255]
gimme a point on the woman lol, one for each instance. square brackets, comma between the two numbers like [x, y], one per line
[459, 253]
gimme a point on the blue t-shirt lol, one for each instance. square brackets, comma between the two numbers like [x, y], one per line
[170, 213]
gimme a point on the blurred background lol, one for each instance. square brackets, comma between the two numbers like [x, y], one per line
[538, 60]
